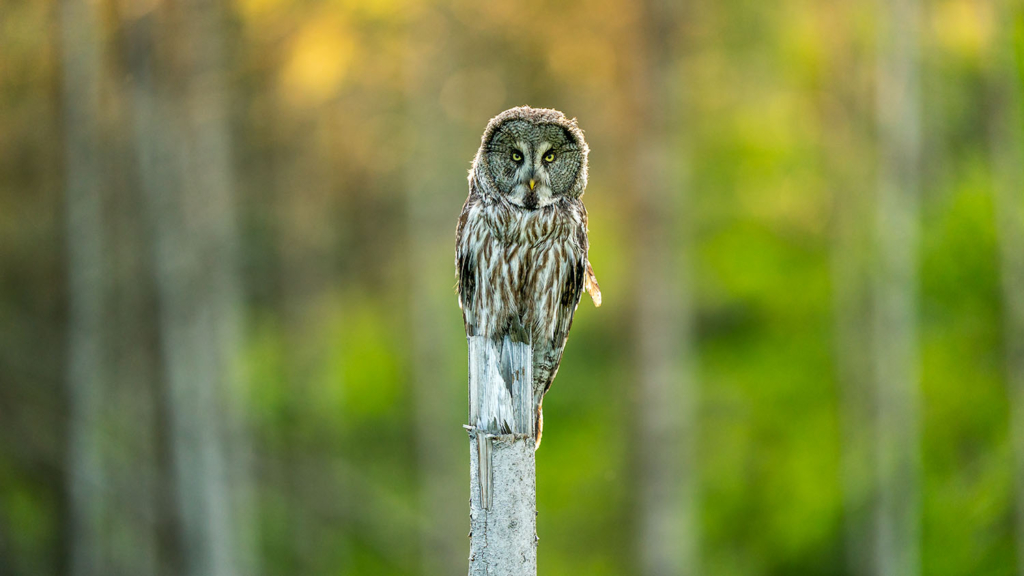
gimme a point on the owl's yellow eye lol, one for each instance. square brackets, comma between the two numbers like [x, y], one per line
[517, 156]
[549, 157]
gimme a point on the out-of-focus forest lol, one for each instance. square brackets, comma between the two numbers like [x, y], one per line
[229, 339]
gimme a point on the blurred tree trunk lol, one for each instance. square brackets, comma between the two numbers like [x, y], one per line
[1006, 124]
[89, 346]
[182, 142]
[135, 460]
[113, 444]
[668, 535]
[430, 222]
[308, 231]
[895, 291]
[844, 113]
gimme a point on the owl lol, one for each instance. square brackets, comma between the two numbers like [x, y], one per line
[521, 243]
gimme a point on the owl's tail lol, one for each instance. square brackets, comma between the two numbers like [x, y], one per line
[538, 426]
[590, 283]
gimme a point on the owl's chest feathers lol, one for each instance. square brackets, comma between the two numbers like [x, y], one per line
[526, 257]
[513, 226]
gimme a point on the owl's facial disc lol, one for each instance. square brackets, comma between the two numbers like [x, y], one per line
[533, 164]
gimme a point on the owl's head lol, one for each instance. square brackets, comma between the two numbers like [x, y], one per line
[532, 157]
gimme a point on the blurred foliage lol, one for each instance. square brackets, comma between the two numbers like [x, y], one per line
[778, 114]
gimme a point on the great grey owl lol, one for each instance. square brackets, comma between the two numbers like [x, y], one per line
[521, 243]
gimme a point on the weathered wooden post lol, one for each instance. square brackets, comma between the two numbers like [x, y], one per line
[503, 486]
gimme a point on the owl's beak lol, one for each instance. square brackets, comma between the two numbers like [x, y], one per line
[533, 183]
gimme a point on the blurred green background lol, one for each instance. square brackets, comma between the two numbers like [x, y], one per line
[230, 342]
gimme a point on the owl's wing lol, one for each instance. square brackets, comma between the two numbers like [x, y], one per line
[572, 291]
[548, 355]
[590, 282]
[464, 265]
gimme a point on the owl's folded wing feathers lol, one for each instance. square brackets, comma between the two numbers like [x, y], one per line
[464, 266]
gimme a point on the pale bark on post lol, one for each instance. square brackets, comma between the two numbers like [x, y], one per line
[668, 533]
[503, 485]
[1006, 121]
[895, 291]
[89, 365]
